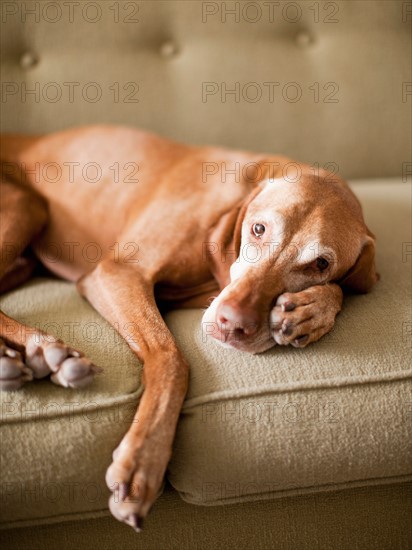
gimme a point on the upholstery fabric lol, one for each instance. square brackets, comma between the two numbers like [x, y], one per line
[286, 422]
[364, 518]
[56, 444]
[323, 82]
[177, 68]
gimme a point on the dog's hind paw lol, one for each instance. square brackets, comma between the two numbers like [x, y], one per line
[13, 372]
[75, 372]
[68, 367]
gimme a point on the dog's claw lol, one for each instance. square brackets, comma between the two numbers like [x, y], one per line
[301, 339]
[137, 523]
[95, 369]
[14, 354]
[287, 328]
[123, 490]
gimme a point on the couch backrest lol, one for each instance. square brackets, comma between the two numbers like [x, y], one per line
[321, 81]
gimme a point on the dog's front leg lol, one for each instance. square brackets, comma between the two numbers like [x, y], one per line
[124, 296]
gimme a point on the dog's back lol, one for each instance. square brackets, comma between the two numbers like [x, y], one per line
[100, 180]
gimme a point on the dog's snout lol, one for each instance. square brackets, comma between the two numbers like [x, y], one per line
[233, 318]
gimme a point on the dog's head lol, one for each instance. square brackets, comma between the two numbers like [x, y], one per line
[284, 237]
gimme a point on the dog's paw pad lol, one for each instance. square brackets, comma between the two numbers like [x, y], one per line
[75, 372]
[68, 367]
[13, 372]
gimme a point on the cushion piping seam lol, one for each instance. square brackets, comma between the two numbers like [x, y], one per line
[79, 410]
[262, 497]
[301, 491]
[332, 383]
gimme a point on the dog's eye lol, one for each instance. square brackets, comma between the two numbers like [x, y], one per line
[258, 229]
[321, 263]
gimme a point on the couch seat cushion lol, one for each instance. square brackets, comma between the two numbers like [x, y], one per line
[336, 414]
[56, 443]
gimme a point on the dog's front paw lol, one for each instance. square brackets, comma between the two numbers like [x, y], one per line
[303, 317]
[135, 478]
[68, 366]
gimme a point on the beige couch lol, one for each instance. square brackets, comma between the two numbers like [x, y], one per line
[290, 449]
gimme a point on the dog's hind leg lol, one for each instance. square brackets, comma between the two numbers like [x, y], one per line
[22, 216]
[25, 352]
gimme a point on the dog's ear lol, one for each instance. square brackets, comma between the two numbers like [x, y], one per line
[362, 275]
[224, 239]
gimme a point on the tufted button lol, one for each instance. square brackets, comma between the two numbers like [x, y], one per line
[304, 39]
[28, 60]
[168, 49]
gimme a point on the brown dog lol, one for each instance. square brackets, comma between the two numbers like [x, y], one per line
[176, 224]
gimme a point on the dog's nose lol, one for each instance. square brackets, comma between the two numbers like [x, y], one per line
[234, 318]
